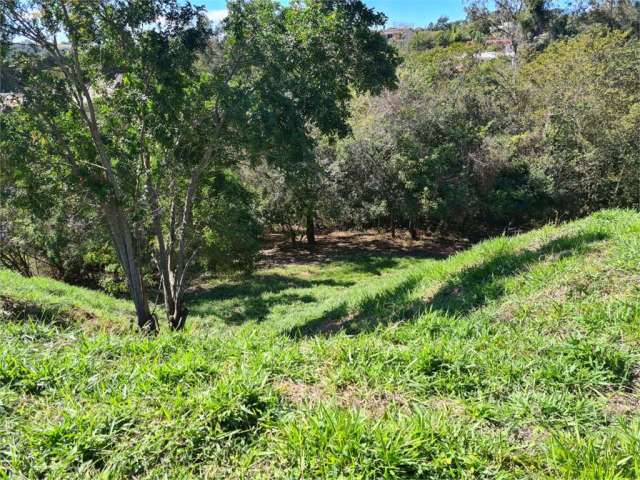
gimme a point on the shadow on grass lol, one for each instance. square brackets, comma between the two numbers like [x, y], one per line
[339, 319]
[356, 246]
[254, 298]
[477, 286]
[465, 292]
[20, 311]
[367, 264]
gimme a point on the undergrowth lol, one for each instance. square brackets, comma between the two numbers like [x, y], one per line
[515, 359]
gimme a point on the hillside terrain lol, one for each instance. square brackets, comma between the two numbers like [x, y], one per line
[517, 358]
[287, 241]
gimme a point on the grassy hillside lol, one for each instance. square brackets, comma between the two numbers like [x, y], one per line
[518, 358]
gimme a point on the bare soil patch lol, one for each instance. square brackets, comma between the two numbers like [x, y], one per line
[371, 403]
[278, 249]
[627, 403]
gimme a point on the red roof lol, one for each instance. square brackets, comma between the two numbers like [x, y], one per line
[499, 41]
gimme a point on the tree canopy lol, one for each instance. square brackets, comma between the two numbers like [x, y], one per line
[138, 103]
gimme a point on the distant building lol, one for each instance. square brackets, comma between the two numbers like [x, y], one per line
[487, 55]
[505, 43]
[397, 34]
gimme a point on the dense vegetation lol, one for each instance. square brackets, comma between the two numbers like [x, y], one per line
[141, 116]
[499, 122]
[148, 155]
[515, 359]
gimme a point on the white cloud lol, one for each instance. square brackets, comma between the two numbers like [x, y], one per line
[217, 16]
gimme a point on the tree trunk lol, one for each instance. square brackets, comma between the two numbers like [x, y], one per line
[413, 232]
[179, 268]
[164, 257]
[178, 319]
[173, 294]
[311, 227]
[122, 238]
[171, 255]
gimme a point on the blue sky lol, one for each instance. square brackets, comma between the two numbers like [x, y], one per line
[415, 12]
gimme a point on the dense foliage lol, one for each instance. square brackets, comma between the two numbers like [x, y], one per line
[179, 142]
[146, 104]
[481, 136]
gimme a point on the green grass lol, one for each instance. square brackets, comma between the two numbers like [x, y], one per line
[518, 358]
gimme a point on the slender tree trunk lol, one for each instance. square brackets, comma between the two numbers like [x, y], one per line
[163, 256]
[173, 262]
[311, 227]
[413, 231]
[164, 259]
[292, 235]
[179, 263]
[14, 259]
[122, 237]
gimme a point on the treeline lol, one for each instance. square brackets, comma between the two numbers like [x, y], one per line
[153, 147]
[131, 133]
[544, 128]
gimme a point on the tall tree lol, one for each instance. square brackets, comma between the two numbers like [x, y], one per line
[143, 101]
[362, 62]
[105, 43]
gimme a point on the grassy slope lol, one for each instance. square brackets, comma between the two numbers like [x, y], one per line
[516, 359]
[48, 300]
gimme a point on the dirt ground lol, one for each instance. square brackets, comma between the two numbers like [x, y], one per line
[278, 249]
